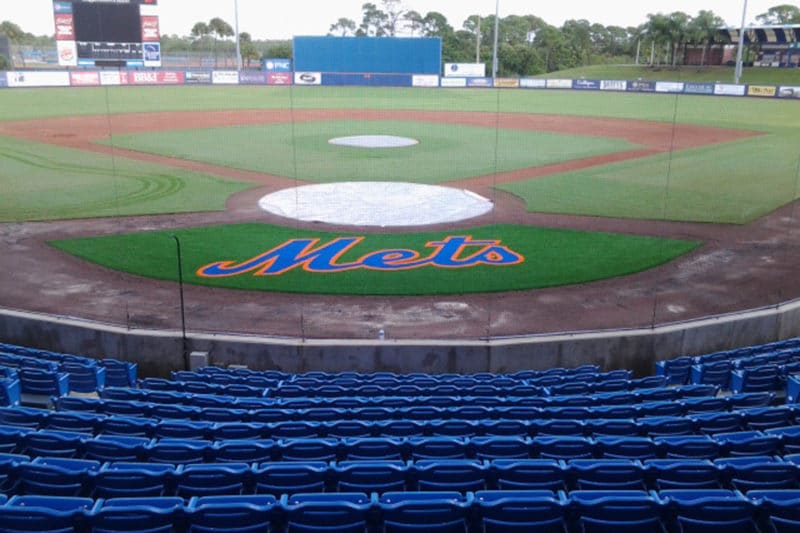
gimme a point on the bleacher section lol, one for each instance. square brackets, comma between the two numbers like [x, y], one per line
[709, 442]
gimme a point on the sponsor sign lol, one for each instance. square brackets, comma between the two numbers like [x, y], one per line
[3, 79]
[729, 89]
[62, 7]
[613, 85]
[479, 82]
[308, 78]
[528, 83]
[113, 77]
[225, 77]
[789, 92]
[464, 70]
[277, 78]
[586, 85]
[153, 77]
[84, 78]
[247, 77]
[641, 86]
[197, 77]
[559, 84]
[669, 87]
[65, 27]
[312, 255]
[454, 82]
[67, 53]
[150, 30]
[152, 54]
[506, 83]
[427, 80]
[767, 91]
[38, 79]
[699, 88]
[278, 65]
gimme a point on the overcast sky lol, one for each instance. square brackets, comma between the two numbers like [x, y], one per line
[269, 19]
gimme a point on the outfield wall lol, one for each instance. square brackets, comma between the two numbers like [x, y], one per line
[105, 78]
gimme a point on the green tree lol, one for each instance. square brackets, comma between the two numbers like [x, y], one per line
[373, 21]
[279, 50]
[781, 14]
[220, 30]
[14, 33]
[704, 29]
[578, 35]
[248, 48]
[678, 31]
[658, 33]
[343, 27]
[395, 16]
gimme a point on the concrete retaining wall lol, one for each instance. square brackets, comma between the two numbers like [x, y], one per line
[159, 352]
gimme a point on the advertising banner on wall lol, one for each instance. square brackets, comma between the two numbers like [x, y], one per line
[529, 83]
[699, 88]
[150, 30]
[86, 78]
[506, 83]
[278, 65]
[225, 77]
[640, 86]
[152, 54]
[277, 78]
[113, 77]
[764, 91]
[559, 84]
[3, 79]
[613, 85]
[67, 53]
[425, 80]
[197, 77]
[308, 78]
[726, 89]
[65, 27]
[454, 82]
[464, 70]
[669, 87]
[152, 77]
[38, 79]
[586, 85]
[248, 77]
[479, 82]
[787, 91]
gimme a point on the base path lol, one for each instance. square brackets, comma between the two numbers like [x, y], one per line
[739, 267]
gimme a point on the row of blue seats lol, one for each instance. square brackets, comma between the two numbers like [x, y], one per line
[47, 476]
[47, 443]
[757, 419]
[793, 389]
[415, 512]
[763, 378]
[87, 376]
[10, 392]
[118, 373]
[200, 399]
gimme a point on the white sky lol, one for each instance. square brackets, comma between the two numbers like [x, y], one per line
[269, 19]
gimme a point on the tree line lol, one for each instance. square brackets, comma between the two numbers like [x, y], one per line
[527, 45]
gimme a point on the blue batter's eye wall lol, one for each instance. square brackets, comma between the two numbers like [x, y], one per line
[375, 55]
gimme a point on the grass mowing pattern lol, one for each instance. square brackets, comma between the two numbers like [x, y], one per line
[44, 182]
[445, 152]
[552, 258]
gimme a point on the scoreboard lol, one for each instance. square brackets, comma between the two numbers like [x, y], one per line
[107, 33]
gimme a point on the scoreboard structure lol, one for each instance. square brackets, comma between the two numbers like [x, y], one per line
[107, 33]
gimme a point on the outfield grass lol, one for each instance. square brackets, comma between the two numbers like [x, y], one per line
[44, 182]
[552, 258]
[445, 152]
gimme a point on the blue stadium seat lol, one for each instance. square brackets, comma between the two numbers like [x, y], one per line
[243, 451]
[57, 477]
[789, 438]
[223, 514]
[349, 429]
[295, 430]
[528, 474]
[492, 447]
[290, 478]
[177, 451]
[400, 428]
[696, 391]
[662, 426]
[566, 428]
[709, 510]
[626, 448]
[719, 422]
[453, 428]
[85, 378]
[133, 480]
[236, 431]
[520, 511]
[764, 418]
[43, 383]
[346, 512]
[666, 474]
[128, 426]
[758, 473]
[119, 393]
[373, 449]
[748, 400]
[107, 448]
[658, 395]
[748, 443]
[688, 447]
[11, 438]
[10, 391]
[793, 389]
[718, 373]
[421, 512]
[615, 511]
[563, 447]
[606, 474]
[125, 408]
[44, 514]
[183, 429]
[29, 417]
[199, 480]
[616, 412]
[78, 403]
[270, 415]
[460, 475]
[504, 428]
[675, 370]
[649, 382]
[470, 412]
[152, 515]
[308, 449]
[46, 443]
[779, 509]
[623, 427]
[370, 476]
[438, 448]
[700, 405]
[165, 412]
[421, 413]
[661, 408]
[322, 414]
[761, 379]
[9, 475]
[226, 414]
[119, 373]
[76, 422]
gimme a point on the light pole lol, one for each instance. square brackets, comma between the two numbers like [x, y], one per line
[238, 45]
[496, 32]
[738, 74]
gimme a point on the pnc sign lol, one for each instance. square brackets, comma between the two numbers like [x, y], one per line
[310, 255]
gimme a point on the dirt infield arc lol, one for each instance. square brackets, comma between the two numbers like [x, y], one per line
[739, 267]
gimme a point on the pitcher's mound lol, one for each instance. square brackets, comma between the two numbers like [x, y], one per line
[376, 204]
[374, 141]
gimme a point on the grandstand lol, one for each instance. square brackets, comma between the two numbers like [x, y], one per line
[706, 441]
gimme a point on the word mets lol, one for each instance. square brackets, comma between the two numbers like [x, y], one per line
[311, 256]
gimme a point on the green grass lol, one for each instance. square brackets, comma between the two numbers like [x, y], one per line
[552, 258]
[445, 152]
[44, 182]
[752, 76]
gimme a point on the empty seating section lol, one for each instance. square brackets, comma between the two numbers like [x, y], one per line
[709, 442]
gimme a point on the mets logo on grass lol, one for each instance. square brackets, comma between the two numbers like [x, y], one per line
[310, 255]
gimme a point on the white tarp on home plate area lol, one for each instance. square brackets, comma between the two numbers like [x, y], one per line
[376, 204]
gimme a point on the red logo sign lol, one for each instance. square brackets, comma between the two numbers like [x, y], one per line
[150, 29]
[279, 78]
[65, 28]
[151, 77]
[84, 79]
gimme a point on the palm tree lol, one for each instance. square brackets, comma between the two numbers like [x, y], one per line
[657, 29]
[678, 23]
[704, 30]
[219, 28]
